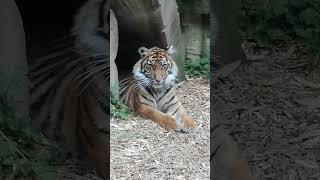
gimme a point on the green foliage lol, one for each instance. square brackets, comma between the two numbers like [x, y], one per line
[185, 3]
[22, 154]
[281, 21]
[197, 68]
[117, 108]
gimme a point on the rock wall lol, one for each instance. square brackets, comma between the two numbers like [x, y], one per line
[225, 36]
[194, 17]
[114, 40]
[13, 64]
[148, 24]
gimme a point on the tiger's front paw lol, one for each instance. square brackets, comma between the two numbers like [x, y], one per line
[168, 123]
[188, 125]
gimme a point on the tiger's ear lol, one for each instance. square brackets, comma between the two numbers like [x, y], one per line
[142, 51]
[171, 50]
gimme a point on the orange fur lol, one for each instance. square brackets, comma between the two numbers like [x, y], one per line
[164, 120]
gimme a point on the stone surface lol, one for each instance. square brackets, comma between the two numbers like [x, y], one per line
[114, 38]
[193, 34]
[149, 24]
[13, 65]
[225, 37]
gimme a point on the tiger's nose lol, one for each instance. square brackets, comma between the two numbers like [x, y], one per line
[158, 80]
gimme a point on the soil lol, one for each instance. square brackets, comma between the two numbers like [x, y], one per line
[141, 149]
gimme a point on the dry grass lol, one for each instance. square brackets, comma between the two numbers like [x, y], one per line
[140, 149]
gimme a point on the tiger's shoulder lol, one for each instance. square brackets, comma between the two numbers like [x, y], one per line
[91, 27]
[69, 89]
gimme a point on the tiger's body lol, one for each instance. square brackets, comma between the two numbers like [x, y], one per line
[150, 92]
[70, 85]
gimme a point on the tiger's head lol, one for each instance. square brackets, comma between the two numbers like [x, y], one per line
[155, 68]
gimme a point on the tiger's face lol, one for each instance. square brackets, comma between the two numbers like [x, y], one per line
[155, 68]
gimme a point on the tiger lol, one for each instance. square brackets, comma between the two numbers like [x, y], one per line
[150, 90]
[69, 88]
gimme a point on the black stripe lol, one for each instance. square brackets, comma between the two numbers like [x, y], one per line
[104, 106]
[146, 98]
[85, 135]
[43, 80]
[54, 74]
[43, 70]
[141, 66]
[171, 105]
[149, 91]
[214, 127]
[59, 122]
[40, 101]
[175, 111]
[87, 109]
[214, 152]
[164, 94]
[146, 104]
[125, 86]
[39, 63]
[169, 101]
[123, 92]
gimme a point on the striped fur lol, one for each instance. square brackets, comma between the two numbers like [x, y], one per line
[226, 160]
[150, 92]
[69, 89]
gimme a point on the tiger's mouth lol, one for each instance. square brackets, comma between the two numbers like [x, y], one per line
[157, 85]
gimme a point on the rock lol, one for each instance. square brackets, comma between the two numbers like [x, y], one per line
[114, 42]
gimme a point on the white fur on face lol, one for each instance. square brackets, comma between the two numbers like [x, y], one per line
[138, 75]
[172, 76]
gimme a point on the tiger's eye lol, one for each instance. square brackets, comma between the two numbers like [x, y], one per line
[148, 67]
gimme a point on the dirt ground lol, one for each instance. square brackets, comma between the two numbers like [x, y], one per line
[140, 149]
[271, 106]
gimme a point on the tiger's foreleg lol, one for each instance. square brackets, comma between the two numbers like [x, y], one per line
[98, 153]
[184, 122]
[166, 121]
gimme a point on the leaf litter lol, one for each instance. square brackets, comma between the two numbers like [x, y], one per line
[270, 104]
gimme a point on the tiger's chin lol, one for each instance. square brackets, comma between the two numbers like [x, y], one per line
[163, 86]
[158, 86]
